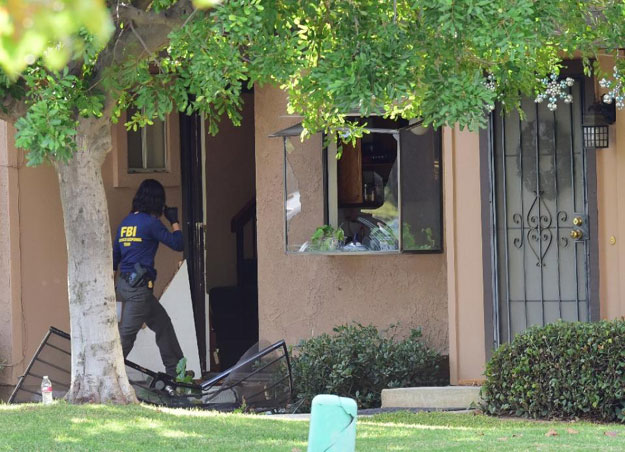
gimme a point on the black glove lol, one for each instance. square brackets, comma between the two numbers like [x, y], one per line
[171, 213]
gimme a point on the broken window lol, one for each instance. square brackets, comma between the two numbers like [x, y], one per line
[383, 195]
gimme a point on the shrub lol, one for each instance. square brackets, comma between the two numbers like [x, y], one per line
[359, 361]
[562, 370]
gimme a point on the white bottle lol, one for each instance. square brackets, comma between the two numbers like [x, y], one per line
[46, 390]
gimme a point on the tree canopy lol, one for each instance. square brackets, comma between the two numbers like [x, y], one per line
[30, 29]
[446, 61]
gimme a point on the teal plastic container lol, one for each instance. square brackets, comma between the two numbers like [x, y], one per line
[332, 424]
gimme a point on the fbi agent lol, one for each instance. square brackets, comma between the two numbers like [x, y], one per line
[134, 248]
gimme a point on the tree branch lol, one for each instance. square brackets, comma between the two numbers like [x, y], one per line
[14, 109]
[145, 46]
[170, 18]
[150, 29]
[149, 34]
[142, 4]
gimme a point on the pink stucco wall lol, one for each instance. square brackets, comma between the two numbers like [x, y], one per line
[229, 186]
[33, 257]
[11, 325]
[302, 296]
[611, 210]
[463, 235]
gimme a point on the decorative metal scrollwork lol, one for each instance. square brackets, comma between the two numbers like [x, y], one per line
[517, 219]
[540, 222]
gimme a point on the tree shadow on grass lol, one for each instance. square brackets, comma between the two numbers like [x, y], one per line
[62, 427]
[137, 428]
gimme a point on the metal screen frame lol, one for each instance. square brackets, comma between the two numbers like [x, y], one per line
[204, 393]
[35, 358]
[590, 253]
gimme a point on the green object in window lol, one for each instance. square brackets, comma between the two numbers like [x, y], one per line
[326, 238]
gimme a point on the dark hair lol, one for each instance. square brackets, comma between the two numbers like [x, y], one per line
[150, 198]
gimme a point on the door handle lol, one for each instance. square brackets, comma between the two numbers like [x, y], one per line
[580, 229]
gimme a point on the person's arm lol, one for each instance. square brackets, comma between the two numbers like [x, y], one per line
[171, 239]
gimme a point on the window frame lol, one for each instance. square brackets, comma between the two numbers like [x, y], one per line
[295, 131]
[169, 177]
[438, 142]
[144, 152]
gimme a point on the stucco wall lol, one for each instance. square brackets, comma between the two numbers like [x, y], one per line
[611, 221]
[43, 255]
[11, 352]
[302, 296]
[34, 223]
[611, 196]
[463, 235]
[611, 211]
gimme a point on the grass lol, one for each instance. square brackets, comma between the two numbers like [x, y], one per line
[62, 427]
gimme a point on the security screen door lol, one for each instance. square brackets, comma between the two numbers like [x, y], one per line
[540, 216]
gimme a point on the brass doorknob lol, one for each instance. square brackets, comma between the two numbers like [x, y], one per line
[576, 234]
[578, 221]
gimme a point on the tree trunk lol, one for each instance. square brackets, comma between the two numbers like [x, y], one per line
[98, 371]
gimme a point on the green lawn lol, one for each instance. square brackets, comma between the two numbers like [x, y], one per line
[142, 428]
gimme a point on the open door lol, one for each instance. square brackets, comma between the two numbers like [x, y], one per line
[219, 205]
[192, 170]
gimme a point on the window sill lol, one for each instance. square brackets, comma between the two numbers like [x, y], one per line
[342, 253]
[147, 171]
[362, 253]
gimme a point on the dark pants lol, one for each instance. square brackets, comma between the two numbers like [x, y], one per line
[141, 306]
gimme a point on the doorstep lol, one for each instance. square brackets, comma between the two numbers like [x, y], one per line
[433, 397]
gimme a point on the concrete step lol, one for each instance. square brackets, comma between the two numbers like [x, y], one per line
[437, 397]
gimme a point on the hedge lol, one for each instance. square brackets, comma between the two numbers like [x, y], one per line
[562, 370]
[359, 361]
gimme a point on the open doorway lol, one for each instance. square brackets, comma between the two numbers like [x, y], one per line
[219, 194]
[230, 239]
